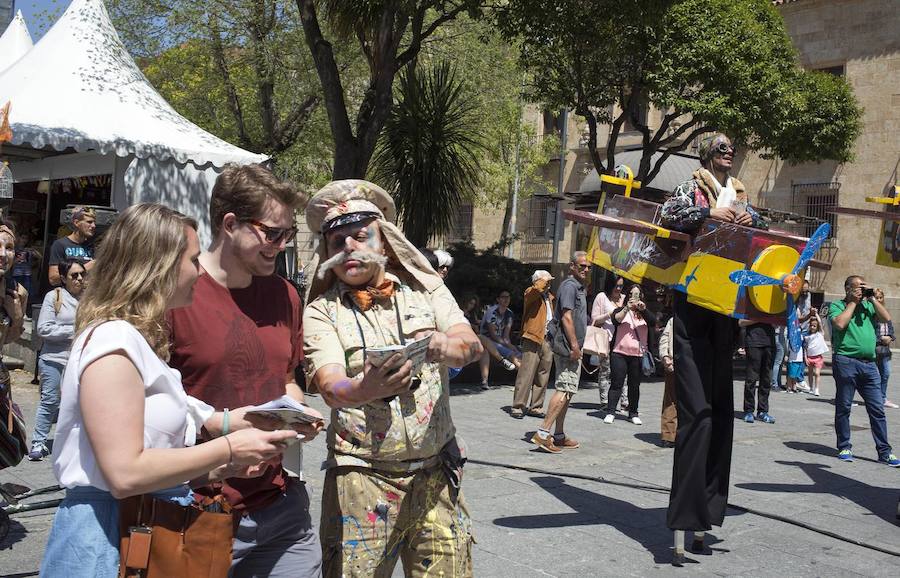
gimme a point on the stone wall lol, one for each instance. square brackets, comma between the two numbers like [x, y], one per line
[862, 36]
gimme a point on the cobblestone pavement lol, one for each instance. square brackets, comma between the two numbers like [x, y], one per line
[600, 510]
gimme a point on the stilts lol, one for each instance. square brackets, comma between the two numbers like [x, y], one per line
[697, 544]
[678, 556]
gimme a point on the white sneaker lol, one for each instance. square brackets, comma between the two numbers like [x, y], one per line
[891, 404]
[508, 365]
[636, 420]
[609, 418]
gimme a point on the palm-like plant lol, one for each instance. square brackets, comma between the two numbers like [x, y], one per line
[428, 155]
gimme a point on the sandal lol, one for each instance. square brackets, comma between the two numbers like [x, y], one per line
[537, 413]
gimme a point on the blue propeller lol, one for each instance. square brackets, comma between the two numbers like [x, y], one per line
[747, 278]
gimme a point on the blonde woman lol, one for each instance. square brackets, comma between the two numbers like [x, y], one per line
[124, 420]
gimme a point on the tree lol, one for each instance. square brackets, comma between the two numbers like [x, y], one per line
[708, 65]
[429, 152]
[390, 35]
[238, 69]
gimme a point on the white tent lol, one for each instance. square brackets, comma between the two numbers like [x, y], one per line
[79, 88]
[14, 42]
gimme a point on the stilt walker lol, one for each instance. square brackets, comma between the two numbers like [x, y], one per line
[703, 358]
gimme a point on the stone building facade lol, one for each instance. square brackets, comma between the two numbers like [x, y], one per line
[859, 40]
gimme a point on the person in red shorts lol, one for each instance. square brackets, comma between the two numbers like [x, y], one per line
[238, 345]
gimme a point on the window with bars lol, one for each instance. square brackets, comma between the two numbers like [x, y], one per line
[461, 229]
[541, 219]
[814, 200]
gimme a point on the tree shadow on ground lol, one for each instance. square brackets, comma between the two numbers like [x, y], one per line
[646, 526]
[881, 501]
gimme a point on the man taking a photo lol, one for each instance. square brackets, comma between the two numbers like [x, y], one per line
[853, 323]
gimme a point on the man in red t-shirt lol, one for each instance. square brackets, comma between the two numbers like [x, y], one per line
[238, 344]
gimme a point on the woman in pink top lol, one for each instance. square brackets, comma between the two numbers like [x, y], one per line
[633, 323]
[605, 303]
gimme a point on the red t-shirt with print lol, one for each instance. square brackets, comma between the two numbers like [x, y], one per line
[235, 347]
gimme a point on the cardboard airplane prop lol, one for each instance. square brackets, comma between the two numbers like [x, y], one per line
[887, 253]
[738, 271]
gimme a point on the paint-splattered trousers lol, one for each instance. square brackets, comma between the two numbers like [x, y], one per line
[372, 518]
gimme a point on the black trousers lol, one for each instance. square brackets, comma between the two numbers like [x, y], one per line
[620, 367]
[759, 376]
[705, 400]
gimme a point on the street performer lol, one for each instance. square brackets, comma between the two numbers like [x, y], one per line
[392, 486]
[703, 356]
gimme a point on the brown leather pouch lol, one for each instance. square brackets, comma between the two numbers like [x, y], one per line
[138, 554]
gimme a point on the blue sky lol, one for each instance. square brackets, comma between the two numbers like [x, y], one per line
[31, 8]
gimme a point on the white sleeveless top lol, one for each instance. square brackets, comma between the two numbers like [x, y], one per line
[171, 417]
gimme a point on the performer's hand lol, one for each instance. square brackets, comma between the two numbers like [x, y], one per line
[722, 214]
[744, 218]
[437, 347]
[392, 378]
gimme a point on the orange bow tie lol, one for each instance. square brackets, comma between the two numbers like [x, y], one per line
[365, 298]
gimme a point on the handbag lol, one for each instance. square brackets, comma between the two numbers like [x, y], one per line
[13, 440]
[648, 364]
[596, 341]
[161, 539]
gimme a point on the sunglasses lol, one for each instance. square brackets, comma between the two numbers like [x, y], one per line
[273, 235]
[77, 275]
[723, 148]
[336, 238]
[584, 267]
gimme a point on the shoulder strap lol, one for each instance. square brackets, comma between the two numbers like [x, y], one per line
[57, 301]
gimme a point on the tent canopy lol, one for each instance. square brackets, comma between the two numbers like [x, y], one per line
[677, 169]
[79, 88]
[14, 42]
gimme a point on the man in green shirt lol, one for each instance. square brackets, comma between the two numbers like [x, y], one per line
[853, 363]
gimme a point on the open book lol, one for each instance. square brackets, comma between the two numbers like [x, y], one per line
[288, 410]
[416, 351]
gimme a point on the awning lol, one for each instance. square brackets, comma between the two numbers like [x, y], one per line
[79, 88]
[677, 169]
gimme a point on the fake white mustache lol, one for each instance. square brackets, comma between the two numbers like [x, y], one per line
[340, 258]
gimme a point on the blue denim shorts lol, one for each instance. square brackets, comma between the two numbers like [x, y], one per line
[84, 539]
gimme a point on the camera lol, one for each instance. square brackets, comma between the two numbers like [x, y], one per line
[868, 292]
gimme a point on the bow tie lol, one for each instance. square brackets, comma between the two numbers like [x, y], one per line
[366, 298]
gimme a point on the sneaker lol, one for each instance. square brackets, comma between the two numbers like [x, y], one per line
[765, 418]
[37, 453]
[566, 443]
[636, 420]
[748, 417]
[609, 418]
[845, 456]
[890, 404]
[891, 460]
[516, 413]
[485, 386]
[545, 444]
[815, 392]
[508, 365]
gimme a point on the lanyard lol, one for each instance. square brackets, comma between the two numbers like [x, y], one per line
[362, 334]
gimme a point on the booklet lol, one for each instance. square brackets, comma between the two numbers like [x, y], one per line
[415, 351]
[287, 409]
